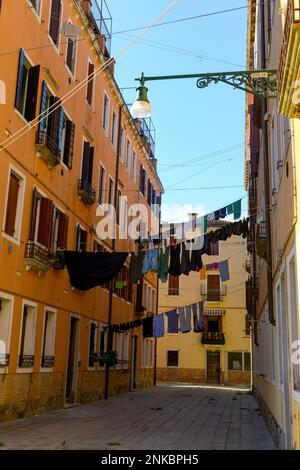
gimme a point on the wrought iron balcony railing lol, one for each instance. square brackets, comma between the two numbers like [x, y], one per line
[4, 360]
[86, 192]
[26, 360]
[213, 338]
[47, 148]
[47, 361]
[37, 257]
[213, 295]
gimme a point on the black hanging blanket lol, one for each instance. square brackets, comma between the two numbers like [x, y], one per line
[87, 270]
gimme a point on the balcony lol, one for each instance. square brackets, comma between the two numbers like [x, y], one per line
[37, 257]
[4, 360]
[47, 361]
[26, 360]
[86, 193]
[213, 296]
[213, 338]
[288, 72]
[47, 148]
[261, 240]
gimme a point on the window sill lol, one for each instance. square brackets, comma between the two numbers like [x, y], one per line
[24, 370]
[46, 369]
[16, 241]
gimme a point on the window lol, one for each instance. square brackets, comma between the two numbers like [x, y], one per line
[122, 285]
[110, 195]
[213, 325]
[101, 185]
[124, 216]
[81, 239]
[114, 129]
[87, 163]
[48, 225]
[133, 167]
[142, 180]
[126, 350]
[71, 53]
[214, 249]
[36, 5]
[6, 306]
[247, 361]
[90, 84]
[239, 361]
[173, 285]
[67, 136]
[121, 150]
[279, 333]
[27, 339]
[172, 358]
[147, 353]
[128, 155]
[149, 193]
[105, 114]
[14, 205]
[103, 341]
[139, 307]
[54, 25]
[92, 344]
[118, 345]
[27, 88]
[293, 304]
[48, 339]
[213, 288]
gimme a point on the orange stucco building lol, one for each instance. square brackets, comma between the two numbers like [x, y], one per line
[55, 172]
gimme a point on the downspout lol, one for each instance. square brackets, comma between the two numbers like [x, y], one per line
[110, 335]
[268, 207]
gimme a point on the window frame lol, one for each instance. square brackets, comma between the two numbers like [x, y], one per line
[34, 306]
[16, 239]
[75, 43]
[91, 104]
[105, 112]
[114, 128]
[11, 300]
[56, 46]
[54, 311]
[167, 359]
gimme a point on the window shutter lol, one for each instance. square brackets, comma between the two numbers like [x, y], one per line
[173, 285]
[91, 165]
[43, 109]
[85, 161]
[69, 143]
[149, 193]
[90, 85]
[45, 222]
[33, 215]
[31, 99]
[55, 20]
[20, 80]
[62, 236]
[70, 53]
[54, 120]
[77, 237]
[12, 203]
[213, 287]
[60, 129]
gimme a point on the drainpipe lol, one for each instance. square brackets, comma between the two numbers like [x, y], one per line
[268, 207]
[110, 336]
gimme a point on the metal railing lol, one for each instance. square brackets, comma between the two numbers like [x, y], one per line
[48, 148]
[26, 360]
[47, 361]
[4, 360]
[213, 295]
[292, 17]
[37, 257]
[213, 338]
[103, 20]
[86, 192]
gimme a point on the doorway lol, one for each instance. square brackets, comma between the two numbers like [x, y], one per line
[72, 368]
[213, 367]
[134, 362]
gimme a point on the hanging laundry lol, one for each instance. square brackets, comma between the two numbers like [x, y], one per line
[217, 215]
[196, 261]
[159, 326]
[205, 223]
[174, 268]
[230, 209]
[185, 319]
[223, 213]
[185, 265]
[163, 266]
[203, 274]
[199, 318]
[172, 321]
[88, 270]
[135, 267]
[237, 209]
[211, 216]
[150, 261]
[148, 327]
[224, 270]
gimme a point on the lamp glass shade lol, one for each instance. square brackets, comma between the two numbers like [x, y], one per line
[141, 109]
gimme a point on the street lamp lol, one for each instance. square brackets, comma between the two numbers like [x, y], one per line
[262, 83]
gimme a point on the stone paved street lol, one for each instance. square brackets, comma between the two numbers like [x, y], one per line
[165, 417]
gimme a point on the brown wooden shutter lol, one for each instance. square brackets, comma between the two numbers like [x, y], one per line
[45, 222]
[12, 203]
[32, 90]
[55, 20]
[173, 285]
[85, 161]
[91, 165]
[90, 85]
[62, 236]
[70, 53]
[33, 215]
[69, 143]
[213, 287]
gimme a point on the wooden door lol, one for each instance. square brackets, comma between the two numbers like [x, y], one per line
[213, 288]
[213, 367]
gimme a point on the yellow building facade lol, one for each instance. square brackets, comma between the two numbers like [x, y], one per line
[273, 137]
[221, 354]
[56, 172]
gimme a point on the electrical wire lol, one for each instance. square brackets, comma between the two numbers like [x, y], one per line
[14, 137]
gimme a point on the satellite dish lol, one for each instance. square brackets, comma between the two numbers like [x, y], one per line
[2, 92]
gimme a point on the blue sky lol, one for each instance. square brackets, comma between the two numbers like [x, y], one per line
[189, 122]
